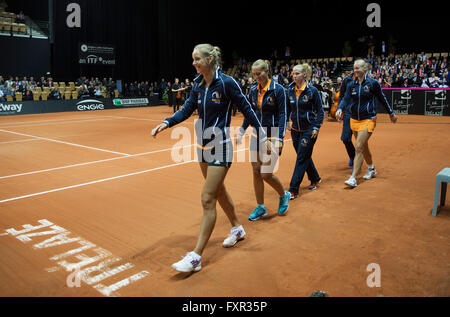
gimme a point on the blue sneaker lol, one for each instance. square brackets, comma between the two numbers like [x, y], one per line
[284, 203]
[257, 213]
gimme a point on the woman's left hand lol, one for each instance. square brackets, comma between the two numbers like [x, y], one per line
[276, 146]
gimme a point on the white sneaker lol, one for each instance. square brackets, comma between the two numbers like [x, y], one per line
[371, 173]
[236, 234]
[351, 182]
[190, 263]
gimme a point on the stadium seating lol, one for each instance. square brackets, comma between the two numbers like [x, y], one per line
[8, 23]
[7, 26]
[36, 94]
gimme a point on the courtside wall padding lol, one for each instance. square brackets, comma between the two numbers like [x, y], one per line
[418, 101]
[430, 102]
[89, 104]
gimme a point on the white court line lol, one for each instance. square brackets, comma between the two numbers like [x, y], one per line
[68, 143]
[59, 122]
[38, 121]
[101, 180]
[106, 179]
[18, 141]
[93, 162]
[101, 161]
[95, 182]
[144, 119]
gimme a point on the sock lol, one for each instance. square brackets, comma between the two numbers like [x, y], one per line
[371, 167]
[196, 255]
[262, 206]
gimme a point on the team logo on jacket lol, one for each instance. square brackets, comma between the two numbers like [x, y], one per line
[270, 101]
[304, 142]
[366, 88]
[305, 98]
[292, 100]
[216, 97]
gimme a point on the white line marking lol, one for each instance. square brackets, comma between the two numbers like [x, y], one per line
[93, 162]
[52, 269]
[60, 122]
[108, 290]
[68, 143]
[18, 141]
[107, 179]
[143, 119]
[95, 182]
[50, 120]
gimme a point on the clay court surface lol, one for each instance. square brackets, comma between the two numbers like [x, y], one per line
[118, 207]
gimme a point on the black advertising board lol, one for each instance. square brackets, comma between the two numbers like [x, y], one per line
[418, 101]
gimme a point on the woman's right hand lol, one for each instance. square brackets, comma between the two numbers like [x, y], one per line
[159, 128]
[338, 115]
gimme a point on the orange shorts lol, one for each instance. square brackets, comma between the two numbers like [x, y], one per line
[361, 125]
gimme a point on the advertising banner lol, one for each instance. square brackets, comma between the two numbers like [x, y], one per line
[31, 107]
[88, 104]
[97, 54]
[418, 101]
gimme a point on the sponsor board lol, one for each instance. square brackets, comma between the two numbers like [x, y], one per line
[131, 102]
[436, 102]
[89, 105]
[419, 101]
[10, 108]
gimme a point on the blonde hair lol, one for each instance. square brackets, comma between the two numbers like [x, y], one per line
[207, 50]
[363, 64]
[304, 69]
[263, 65]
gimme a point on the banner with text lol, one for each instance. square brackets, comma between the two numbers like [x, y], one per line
[97, 54]
[89, 104]
[418, 101]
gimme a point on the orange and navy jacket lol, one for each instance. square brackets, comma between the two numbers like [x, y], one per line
[361, 99]
[214, 105]
[306, 111]
[271, 110]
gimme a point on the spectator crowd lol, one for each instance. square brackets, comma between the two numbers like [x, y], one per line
[410, 70]
[405, 71]
[86, 87]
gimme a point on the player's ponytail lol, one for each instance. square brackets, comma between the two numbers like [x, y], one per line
[207, 50]
[304, 69]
